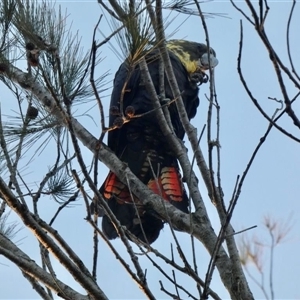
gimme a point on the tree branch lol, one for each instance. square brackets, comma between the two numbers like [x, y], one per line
[29, 267]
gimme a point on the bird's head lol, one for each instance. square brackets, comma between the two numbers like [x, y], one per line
[194, 56]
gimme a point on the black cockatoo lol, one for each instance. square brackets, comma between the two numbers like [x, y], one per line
[140, 143]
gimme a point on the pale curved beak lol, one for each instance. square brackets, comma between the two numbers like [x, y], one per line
[205, 62]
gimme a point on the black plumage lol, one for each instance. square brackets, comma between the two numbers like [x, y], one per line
[140, 143]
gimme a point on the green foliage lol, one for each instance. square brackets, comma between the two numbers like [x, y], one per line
[61, 187]
[8, 229]
[137, 36]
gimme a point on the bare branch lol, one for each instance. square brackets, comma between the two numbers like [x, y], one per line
[27, 265]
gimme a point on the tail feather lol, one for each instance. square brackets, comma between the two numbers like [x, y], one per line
[170, 187]
[114, 187]
[130, 211]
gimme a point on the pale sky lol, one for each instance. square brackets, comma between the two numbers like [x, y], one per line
[271, 188]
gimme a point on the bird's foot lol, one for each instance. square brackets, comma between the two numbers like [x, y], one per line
[199, 78]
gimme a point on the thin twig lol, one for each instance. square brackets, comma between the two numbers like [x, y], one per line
[277, 64]
[288, 39]
[241, 231]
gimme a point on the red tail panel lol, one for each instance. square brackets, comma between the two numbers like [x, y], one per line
[113, 186]
[156, 187]
[168, 185]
